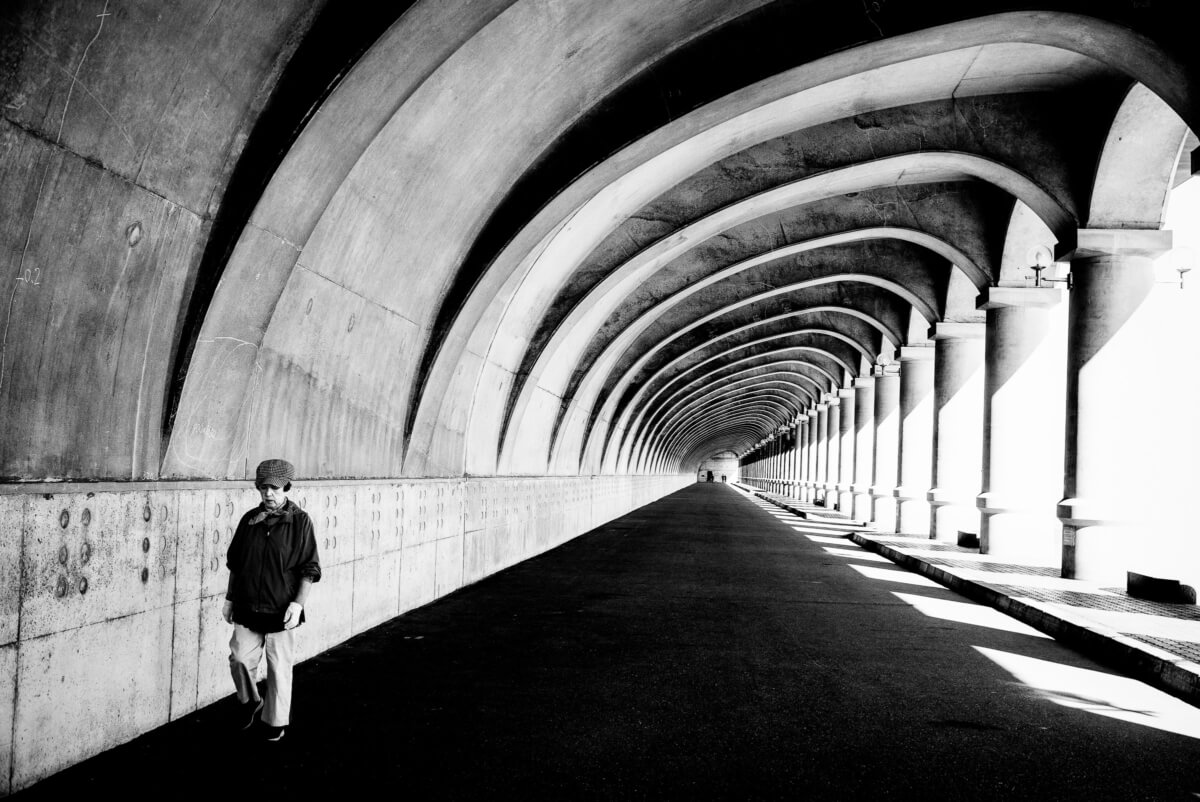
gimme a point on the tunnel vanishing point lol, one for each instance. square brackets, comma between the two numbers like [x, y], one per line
[493, 272]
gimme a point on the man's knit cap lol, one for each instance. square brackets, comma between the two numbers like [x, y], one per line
[274, 472]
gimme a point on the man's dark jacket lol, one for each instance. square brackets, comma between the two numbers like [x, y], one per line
[269, 555]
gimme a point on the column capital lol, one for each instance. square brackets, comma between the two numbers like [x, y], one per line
[957, 331]
[1004, 297]
[1096, 242]
[847, 392]
[833, 400]
[881, 371]
[864, 381]
[916, 353]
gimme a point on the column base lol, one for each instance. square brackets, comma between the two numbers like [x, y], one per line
[952, 512]
[1021, 537]
[912, 512]
[883, 512]
[861, 509]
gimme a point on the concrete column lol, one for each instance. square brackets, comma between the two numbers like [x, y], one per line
[801, 453]
[780, 460]
[785, 464]
[773, 465]
[957, 429]
[1024, 389]
[764, 467]
[916, 440]
[821, 478]
[770, 465]
[849, 456]
[814, 432]
[864, 449]
[887, 448]
[833, 450]
[1107, 495]
[797, 457]
[793, 447]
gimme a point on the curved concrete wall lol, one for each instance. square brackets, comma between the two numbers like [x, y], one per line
[121, 126]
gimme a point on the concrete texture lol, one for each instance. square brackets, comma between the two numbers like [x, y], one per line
[701, 646]
[456, 258]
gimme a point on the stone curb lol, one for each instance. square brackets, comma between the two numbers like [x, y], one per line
[1168, 672]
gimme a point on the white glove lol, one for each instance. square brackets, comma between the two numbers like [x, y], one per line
[291, 619]
[227, 611]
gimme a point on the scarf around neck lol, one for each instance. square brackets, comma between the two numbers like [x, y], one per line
[272, 516]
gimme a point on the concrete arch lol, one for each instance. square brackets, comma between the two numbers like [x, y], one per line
[678, 455]
[772, 415]
[1137, 164]
[643, 388]
[698, 395]
[663, 409]
[742, 398]
[801, 391]
[627, 339]
[640, 393]
[1042, 33]
[587, 449]
[639, 444]
[701, 408]
[553, 366]
[700, 453]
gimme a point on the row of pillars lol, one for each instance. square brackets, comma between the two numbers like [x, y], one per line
[966, 438]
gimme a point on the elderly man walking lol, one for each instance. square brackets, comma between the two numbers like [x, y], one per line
[272, 563]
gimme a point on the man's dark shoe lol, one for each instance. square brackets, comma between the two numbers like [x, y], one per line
[249, 713]
[272, 733]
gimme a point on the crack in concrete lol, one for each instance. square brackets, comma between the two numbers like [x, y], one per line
[75, 78]
[870, 8]
[82, 85]
[20, 271]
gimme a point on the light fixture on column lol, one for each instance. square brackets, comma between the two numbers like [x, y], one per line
[1042, 258]
[1181, 260]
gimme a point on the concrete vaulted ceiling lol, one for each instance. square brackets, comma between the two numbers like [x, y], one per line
[529, 237]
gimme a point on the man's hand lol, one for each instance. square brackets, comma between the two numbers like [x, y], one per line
[227, 611]
[291, 619]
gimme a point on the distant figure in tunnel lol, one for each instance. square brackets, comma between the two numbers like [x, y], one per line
[272, 563]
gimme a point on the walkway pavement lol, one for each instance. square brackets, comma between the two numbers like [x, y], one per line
[708, 646]
[1156, 642]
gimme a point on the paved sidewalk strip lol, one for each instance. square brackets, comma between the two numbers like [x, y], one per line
[1158, 643]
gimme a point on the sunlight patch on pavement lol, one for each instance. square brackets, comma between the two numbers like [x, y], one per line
[857, 554]
[1100, 693]
[837, 541]
[968, 613]
[822, 528]
[894, 575]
